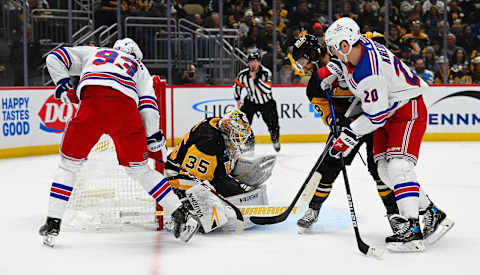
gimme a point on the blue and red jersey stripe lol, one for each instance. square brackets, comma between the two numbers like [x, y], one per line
[125, 81]
[148, 102]
[63, 56]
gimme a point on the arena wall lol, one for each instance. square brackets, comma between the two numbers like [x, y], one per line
[32, 121]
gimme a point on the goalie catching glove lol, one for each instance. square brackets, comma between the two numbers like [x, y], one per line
[65, 92]
[157, 146]
[344, 143]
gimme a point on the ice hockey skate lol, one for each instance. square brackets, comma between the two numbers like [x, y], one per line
[185, 225]
[305, 223]
[49, 231]
[435, 224]
[408, 236]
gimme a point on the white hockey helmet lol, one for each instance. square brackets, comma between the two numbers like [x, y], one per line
[343, 29]
[127, 45]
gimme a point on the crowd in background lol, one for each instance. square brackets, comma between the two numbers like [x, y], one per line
[415, 32]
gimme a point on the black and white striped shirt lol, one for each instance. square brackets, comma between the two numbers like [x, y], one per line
[259, 90]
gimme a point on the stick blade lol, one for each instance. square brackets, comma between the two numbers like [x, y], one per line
[375, 252]
[269, 220]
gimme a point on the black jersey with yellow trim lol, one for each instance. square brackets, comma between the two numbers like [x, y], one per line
[342, 99]
[203, 153]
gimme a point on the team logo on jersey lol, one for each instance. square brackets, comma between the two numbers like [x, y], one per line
[54, 114]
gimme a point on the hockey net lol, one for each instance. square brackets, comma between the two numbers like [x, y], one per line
[105, 197]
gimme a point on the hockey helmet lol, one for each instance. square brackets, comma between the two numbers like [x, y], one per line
[254, 55]
[308, 47]
[127, 45]
[343, 29]
[236, 126]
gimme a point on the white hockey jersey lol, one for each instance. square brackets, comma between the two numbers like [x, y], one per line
[112, 68]
[382, 82]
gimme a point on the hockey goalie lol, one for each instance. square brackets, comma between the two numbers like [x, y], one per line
[210, 160]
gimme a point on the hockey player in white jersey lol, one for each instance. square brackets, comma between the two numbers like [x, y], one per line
[117, 98]
[393, 109]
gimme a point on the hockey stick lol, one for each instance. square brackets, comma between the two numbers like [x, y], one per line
[238, 213]
[308, 182]
[362, 246]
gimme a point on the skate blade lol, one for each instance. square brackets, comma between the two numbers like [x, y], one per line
[304, 230]
[413, 246]
[442, 229]
[192, 227]
[49, 241]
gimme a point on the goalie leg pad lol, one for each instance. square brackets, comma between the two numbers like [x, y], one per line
[210, 210]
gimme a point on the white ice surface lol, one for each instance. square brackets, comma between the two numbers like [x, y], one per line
[447, 171]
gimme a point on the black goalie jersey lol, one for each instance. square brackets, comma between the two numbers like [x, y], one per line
[204, 154]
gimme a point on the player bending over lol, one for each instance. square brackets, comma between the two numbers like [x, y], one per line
[117, 98]
[331, 74]
[210, 152]
[394, 111]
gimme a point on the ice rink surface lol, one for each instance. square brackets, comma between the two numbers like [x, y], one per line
[447, 171]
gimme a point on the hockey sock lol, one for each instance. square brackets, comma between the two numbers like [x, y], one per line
[320, 196]
[388, 198]
[62, 186]
[156, 185]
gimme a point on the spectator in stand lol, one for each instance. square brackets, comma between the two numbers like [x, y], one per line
[430, 60]
[469, 41]
[213, 21]
[320, 8]
[346, 11]
[451, 45]
[395, 17]
[267, 59]
[416, 41]
[417, 11]
[368, 17]
[394, 43]
[454, 12]
[251, 41]
[236, 15]
[422, 72]
[286, 74]
[431, 22]
[476, 70]
[198, 19]
[189, 75]
[318, 32]
[282, 15]
[427, 5]
[439, 77]
[301, 16]
[460, 67]
[259, 14]
[246, 24]
[134, 7]
[107, 13]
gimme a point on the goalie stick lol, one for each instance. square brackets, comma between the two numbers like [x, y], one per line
[238, 213]
[362, 246]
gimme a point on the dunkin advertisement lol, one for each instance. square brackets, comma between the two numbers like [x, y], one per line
[31, 120]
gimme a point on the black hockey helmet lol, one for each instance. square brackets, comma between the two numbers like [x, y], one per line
[307, 46]
[254, 55]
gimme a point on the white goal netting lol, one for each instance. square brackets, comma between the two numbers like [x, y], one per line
[106, 198]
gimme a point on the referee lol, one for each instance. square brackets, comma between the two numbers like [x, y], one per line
[257, 81]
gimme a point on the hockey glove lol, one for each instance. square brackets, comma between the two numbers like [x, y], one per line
[65, 92]
[341, 121]
[157, 146]
[344, 143]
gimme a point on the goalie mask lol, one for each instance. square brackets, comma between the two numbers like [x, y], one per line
[235, 125]
[307, 46]
[127, 45]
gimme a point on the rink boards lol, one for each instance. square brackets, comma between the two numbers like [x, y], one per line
[32, 121]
